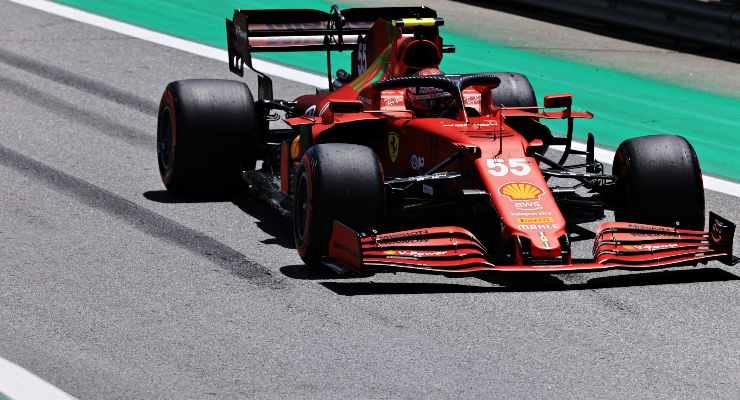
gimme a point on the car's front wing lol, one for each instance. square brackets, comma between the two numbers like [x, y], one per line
[452, 249]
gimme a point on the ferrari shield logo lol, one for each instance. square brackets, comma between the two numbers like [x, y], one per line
[394, 143]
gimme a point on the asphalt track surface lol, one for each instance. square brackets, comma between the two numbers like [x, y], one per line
[112, 289]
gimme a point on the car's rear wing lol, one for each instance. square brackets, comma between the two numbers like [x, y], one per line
[308, 30]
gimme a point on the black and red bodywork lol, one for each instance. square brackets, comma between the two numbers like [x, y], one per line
[467, 192]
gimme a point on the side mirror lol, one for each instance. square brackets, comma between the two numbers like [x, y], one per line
[536, 146]
[559, 101]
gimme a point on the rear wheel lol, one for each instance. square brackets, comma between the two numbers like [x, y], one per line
[335, 182]
[659, 182]
[206, 135]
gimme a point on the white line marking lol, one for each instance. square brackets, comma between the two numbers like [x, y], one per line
[20, 384]
[272, 69]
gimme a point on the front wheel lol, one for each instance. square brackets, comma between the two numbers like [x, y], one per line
[335, 182]
[659, 182]
[515, 90]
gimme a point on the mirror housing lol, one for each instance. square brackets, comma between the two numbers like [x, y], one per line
[559, 101]
[536, 146]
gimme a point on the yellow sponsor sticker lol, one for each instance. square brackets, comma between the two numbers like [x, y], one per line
[535, 220]
[415, 22]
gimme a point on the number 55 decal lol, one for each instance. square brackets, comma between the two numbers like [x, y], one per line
[517, 166]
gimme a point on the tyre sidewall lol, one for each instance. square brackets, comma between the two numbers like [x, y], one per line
[659, 181]
[167, 167]
[330, 194]
[213, 135]
[315, 229]
[515, 90]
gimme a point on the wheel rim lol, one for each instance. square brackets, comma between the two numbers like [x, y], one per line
[301, 209]
[164, 139]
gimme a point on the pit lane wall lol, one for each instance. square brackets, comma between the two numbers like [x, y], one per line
[710, 23]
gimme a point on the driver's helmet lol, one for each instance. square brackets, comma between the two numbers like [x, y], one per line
[429, 101]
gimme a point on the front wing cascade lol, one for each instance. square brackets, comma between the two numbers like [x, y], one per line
[451, 249]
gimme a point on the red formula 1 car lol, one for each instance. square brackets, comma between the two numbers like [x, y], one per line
[401, 166]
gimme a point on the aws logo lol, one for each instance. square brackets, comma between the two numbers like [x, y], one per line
[521, 191]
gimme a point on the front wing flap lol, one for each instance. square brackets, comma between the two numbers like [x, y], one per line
[451, 249]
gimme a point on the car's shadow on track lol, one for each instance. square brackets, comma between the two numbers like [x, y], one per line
[579, 233]
[268, 220]
[278, 227]
[163, 196]
[303, 272]
[506, 282]
[275, 225]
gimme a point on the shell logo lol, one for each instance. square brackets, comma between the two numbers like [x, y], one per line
[521, 191]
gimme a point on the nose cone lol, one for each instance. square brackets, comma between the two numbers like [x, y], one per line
[524, 202]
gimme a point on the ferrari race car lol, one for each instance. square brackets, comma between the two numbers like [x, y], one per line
[400, 166]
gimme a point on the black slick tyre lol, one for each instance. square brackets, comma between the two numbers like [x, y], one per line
[659, 182]
[206, 135]
[515, 90]
[335, 181]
